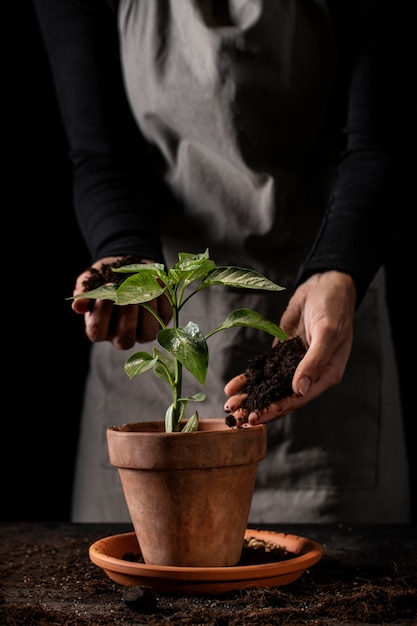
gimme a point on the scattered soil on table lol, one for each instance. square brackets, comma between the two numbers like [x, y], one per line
[50, 581]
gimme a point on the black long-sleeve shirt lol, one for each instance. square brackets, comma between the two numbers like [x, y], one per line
[115, 195]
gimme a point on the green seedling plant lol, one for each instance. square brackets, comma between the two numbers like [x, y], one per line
[183, 346]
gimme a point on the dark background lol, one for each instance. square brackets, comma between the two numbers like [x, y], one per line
[46, 349]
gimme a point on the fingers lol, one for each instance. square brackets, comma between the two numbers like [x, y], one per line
[235, 385]
[164, 309]
[316, 372]
[97, 320]
[81, 305]
[321, 311]
[233, 404]
[124, 325]
[241, 417]
[147, 326]
[331, 375]
[271, 412]
[106, 322]
[324, 364]
[276, 409]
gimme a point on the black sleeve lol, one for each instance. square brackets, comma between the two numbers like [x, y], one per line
[370, 202]
[115, 195]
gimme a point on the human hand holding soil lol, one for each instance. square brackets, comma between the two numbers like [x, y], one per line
[264, 391]
[319, 315]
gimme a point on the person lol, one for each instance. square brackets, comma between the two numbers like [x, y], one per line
[276, 135]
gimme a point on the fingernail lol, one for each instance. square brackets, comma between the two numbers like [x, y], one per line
[304, 385]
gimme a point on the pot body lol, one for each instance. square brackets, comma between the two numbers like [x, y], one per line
[188, 494]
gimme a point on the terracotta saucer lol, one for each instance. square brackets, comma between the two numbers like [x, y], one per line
[108, 552]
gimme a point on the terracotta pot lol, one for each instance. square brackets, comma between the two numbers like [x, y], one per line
[188, 494]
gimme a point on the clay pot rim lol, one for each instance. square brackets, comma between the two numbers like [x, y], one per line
[158, 428]
[215, 446]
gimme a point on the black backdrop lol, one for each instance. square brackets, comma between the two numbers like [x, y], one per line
[46, 350]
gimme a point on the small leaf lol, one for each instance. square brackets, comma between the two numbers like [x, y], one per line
[240, 278]
[139, 363]
[252, 319]
[191, 267]
[138, 288]
[197, 397]
[188, 257]
[105, 292]
[190, 263]
[189, 346]
[165, 367]
[155, 268]
[192, 424]
[169, 419]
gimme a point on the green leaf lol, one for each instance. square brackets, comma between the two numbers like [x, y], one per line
[173, 417]
[185, 346]
[190, 267]
[105, 292]
[138, 288]
[192, 424]
[197, 397]
[252, 319]
[188, 258]
[139, 363]
[189, 347]
[133, 268]
[169, 419]
[165, 367]
[240, 278]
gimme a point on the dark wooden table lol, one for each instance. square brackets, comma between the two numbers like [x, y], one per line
[367, 575]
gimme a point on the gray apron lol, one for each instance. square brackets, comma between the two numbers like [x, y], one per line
[235, 103]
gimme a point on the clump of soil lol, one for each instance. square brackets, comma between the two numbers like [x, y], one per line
[269, 376]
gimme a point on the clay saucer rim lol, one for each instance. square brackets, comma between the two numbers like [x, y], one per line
[107, 553]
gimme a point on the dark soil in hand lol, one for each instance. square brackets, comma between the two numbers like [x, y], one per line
[106, 275]
[269, 376]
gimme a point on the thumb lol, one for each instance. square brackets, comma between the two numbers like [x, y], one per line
[322, 367]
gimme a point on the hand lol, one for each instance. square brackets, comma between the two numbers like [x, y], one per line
[321, 311]
[121, 325]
